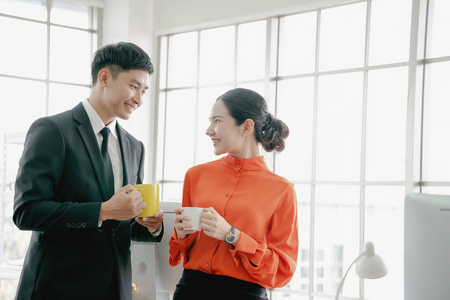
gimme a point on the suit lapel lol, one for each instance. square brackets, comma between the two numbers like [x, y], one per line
[126, 152]
[90, 141]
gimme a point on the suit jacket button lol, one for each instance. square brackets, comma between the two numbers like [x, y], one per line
[78, 225]
[74, 225]
[68, 225]
[83, 224]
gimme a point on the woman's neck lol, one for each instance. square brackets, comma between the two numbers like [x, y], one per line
[248, 152]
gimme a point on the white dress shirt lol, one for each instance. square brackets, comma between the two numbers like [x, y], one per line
[113, 143]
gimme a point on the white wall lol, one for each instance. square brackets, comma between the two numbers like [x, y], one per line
[132, 21]
[128, 20]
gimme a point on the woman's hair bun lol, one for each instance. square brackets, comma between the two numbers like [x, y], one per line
[274, 132]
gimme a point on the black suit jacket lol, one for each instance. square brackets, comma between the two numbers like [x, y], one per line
[59, 189]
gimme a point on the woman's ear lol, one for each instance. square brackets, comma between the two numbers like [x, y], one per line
[249, 126]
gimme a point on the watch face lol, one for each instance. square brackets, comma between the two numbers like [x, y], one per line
[230, 238]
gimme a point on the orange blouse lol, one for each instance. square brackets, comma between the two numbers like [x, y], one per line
[261, 204]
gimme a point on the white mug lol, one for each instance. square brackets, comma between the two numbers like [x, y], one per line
[195, 214]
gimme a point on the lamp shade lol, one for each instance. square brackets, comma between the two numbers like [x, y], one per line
[370, 265]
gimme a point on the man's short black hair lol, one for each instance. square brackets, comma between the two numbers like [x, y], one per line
[118, 58]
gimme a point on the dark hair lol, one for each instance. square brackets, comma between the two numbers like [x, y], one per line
[243, 104]
[118, 58]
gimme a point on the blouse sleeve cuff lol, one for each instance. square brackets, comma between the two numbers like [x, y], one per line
[182, 244]
[245, 245]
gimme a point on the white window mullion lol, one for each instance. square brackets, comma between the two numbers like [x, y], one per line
[414, 105]
[47, 74]
[363, 142]
[313, 161]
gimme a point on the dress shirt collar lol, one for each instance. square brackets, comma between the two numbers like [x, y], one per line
[255, 163]
[96, 121]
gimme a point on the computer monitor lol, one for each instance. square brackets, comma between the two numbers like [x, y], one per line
[427, 247]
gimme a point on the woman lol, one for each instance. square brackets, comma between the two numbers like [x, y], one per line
[249, 238]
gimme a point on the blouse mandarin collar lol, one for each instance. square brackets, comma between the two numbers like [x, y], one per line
[255, 163]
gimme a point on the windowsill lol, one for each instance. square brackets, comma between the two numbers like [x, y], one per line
[10, 270]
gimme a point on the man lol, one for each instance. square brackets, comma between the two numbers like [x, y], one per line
[73, 188]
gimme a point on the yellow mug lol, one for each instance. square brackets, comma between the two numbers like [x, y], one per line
[150, 194]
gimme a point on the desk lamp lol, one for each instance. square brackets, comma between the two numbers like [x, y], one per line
[368, 266]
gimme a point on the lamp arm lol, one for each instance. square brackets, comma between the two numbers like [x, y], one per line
[343, 278]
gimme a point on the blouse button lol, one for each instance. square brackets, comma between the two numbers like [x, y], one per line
[207, 265]
[237, 166]
[236, 176]
[227, 195]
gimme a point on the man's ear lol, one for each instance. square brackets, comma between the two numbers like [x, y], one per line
[103, 77]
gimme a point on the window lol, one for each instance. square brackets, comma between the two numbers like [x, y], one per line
[341, 78]
[45, 69]
[435, 175]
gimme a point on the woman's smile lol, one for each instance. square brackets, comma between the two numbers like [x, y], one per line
[215, 141]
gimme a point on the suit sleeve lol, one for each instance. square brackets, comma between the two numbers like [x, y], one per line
[273, 262]
[36, 206]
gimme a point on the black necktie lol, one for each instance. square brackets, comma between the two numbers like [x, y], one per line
[107, 161]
